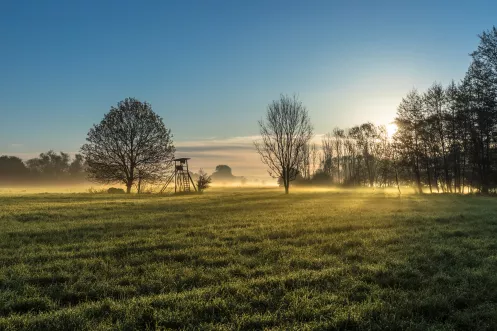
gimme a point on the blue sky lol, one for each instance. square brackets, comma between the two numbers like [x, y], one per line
[209, 68]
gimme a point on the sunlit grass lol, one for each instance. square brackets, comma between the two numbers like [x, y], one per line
[32, 189]
[248, 259]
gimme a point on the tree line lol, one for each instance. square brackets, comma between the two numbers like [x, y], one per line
[446, 139]
[47, 167]
[446, 142]
[359, 156]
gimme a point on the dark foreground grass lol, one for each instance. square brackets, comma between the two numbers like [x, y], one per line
[248, 260]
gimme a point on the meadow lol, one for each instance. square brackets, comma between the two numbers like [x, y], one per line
[247, 260]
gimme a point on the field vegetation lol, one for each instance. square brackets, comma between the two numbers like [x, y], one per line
[248, 259]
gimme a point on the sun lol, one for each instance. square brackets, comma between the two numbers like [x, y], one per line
[391, 129]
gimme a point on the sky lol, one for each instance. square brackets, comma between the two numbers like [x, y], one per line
[210, 68]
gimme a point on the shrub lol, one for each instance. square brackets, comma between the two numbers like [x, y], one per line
[114, 190]
[203, 181]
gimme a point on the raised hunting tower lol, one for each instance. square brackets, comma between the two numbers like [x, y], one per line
[181, 176]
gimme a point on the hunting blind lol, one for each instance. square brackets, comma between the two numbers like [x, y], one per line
[181, 176]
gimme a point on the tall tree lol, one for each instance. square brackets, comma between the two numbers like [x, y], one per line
[408, 140]
[285, 133]
[483, 119]
[131, 143]
[456, 132]
[482, 76]
[435, 106]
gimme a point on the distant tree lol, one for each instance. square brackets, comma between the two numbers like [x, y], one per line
[129, 144]
[314, 158]
[327, 143]
[385, 158]
[113, 190]
[305, 163]
[49, 165]
[224, 169]
[77, 166]
[285, 134]
[321, 178]
[339, 135]
[353, 158]
[12, 167]
[243, 181]
[203, 181]
[222, 173]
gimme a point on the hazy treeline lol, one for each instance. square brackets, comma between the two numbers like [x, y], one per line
[53, 168]
[223, 175]
[359, 156]
[47, 167]
[445, 142]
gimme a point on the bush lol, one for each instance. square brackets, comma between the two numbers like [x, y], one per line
[114, 190]
[203, 181]
[92, 190]
[321, 178]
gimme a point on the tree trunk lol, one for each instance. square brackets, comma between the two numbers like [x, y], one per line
[435, 179]
[428, 173]
[418, 180]
[338, 167]
[128, 186]
[397, 179]
[484, 188]
[463, 170]
[448, 184]
[471, 179]
[286, 178]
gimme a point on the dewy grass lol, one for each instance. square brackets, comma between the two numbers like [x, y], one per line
[248, 259]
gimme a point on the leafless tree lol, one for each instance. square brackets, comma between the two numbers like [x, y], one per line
[285, 133]
[131, 143]
[314, 158]
[338, 134]
[304, 168]
[327, 160]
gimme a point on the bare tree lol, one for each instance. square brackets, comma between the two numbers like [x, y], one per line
[314, 158]
[338, 134]
[131, 143]
[285, 133]
[304, 168]
[327, 161]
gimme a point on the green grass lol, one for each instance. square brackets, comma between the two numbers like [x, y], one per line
[247, 260]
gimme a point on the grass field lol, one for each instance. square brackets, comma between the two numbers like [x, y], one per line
[247, 260]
